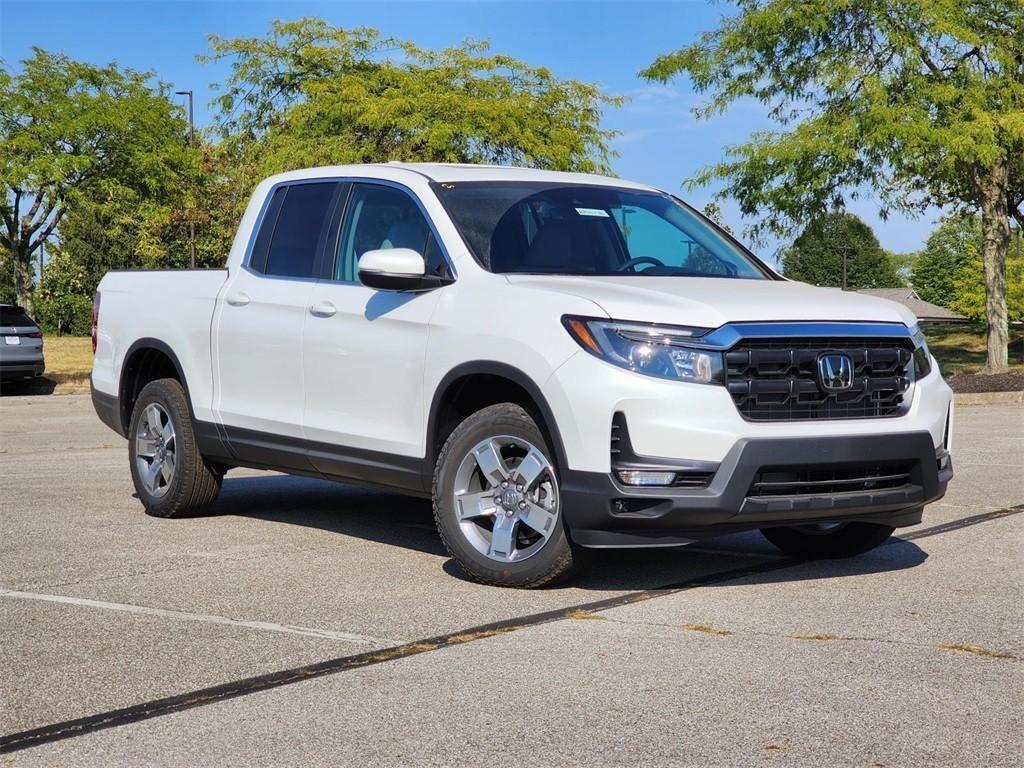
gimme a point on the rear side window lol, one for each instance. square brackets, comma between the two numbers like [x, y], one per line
[258, 259]
[14, 316]
[295, 227]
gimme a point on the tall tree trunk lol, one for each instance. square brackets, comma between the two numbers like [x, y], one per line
[995, 236]
[22, 263]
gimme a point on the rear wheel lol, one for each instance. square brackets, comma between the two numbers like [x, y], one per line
[497, 503]
[171, 478]
[823, 541]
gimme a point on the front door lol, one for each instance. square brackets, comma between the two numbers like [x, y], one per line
[365, 350]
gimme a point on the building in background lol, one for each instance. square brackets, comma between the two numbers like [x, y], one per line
[925, 311]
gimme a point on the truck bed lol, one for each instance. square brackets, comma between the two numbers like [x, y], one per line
[174, 306]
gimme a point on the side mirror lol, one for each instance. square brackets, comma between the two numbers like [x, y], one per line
[397, 269]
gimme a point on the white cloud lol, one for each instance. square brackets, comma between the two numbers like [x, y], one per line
[629, 137]
[652, 93]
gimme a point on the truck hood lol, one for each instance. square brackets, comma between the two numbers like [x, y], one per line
[709, 302]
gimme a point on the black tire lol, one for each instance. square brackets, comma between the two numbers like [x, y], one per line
[194, 484]
[844, 540]
[555, 560]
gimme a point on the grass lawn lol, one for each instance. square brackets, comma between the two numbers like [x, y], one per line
[961, 349]
[68, 355]
[68, 365]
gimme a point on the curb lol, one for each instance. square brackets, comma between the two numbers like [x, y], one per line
[987, 398]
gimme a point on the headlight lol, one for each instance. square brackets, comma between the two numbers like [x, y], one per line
[922, 357]
[665, 351]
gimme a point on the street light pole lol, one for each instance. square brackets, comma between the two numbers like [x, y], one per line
[191, 143]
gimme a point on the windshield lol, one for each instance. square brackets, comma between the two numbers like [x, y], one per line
[574, 229]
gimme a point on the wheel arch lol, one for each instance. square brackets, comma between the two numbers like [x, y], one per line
[147, 360]
[477, 384]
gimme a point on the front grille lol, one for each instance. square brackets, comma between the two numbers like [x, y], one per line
[777, 379]
[827, 480]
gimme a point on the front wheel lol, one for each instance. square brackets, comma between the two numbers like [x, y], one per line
[496, 500]
[826, 541]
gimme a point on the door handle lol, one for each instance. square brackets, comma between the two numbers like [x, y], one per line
[239, 299]
[322, 309]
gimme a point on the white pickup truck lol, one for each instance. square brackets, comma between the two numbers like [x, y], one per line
[560, 361]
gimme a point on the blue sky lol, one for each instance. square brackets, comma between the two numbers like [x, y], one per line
[602, 42]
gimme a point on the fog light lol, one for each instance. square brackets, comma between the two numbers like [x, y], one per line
[645, 477]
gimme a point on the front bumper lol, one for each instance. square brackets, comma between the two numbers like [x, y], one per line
[602, 512]
[701, 423]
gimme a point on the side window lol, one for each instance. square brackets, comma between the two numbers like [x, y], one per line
[381, 217]
[258, 258]
[294, 246]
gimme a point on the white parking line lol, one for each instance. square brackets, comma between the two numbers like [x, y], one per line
[324, 634]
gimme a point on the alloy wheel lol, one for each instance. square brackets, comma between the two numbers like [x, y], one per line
[155, 449]
[506, 498]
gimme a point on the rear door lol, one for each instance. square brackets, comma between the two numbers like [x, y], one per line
[365, 349]
[259, 393]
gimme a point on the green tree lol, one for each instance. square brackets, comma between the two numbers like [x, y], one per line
[714, 212]
[129, 231]
[838, 249]
[923, 101]
[948, 271]
[63, 300]
[969, 284]
[70, 133]
[954, 244]
[310, 93]
[7, 294]
[903, 263]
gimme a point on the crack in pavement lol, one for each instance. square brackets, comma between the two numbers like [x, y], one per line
[724, 632]
[68, 729]
[157, 708]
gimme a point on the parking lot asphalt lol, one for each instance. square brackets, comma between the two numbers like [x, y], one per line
[307, 623]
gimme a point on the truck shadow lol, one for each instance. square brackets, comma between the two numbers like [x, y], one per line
[408, 522]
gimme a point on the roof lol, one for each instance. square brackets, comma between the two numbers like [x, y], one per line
[925, 311]
[468, 172]
[453, 172]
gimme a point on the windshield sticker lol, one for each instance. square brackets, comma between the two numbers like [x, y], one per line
[592, 212]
